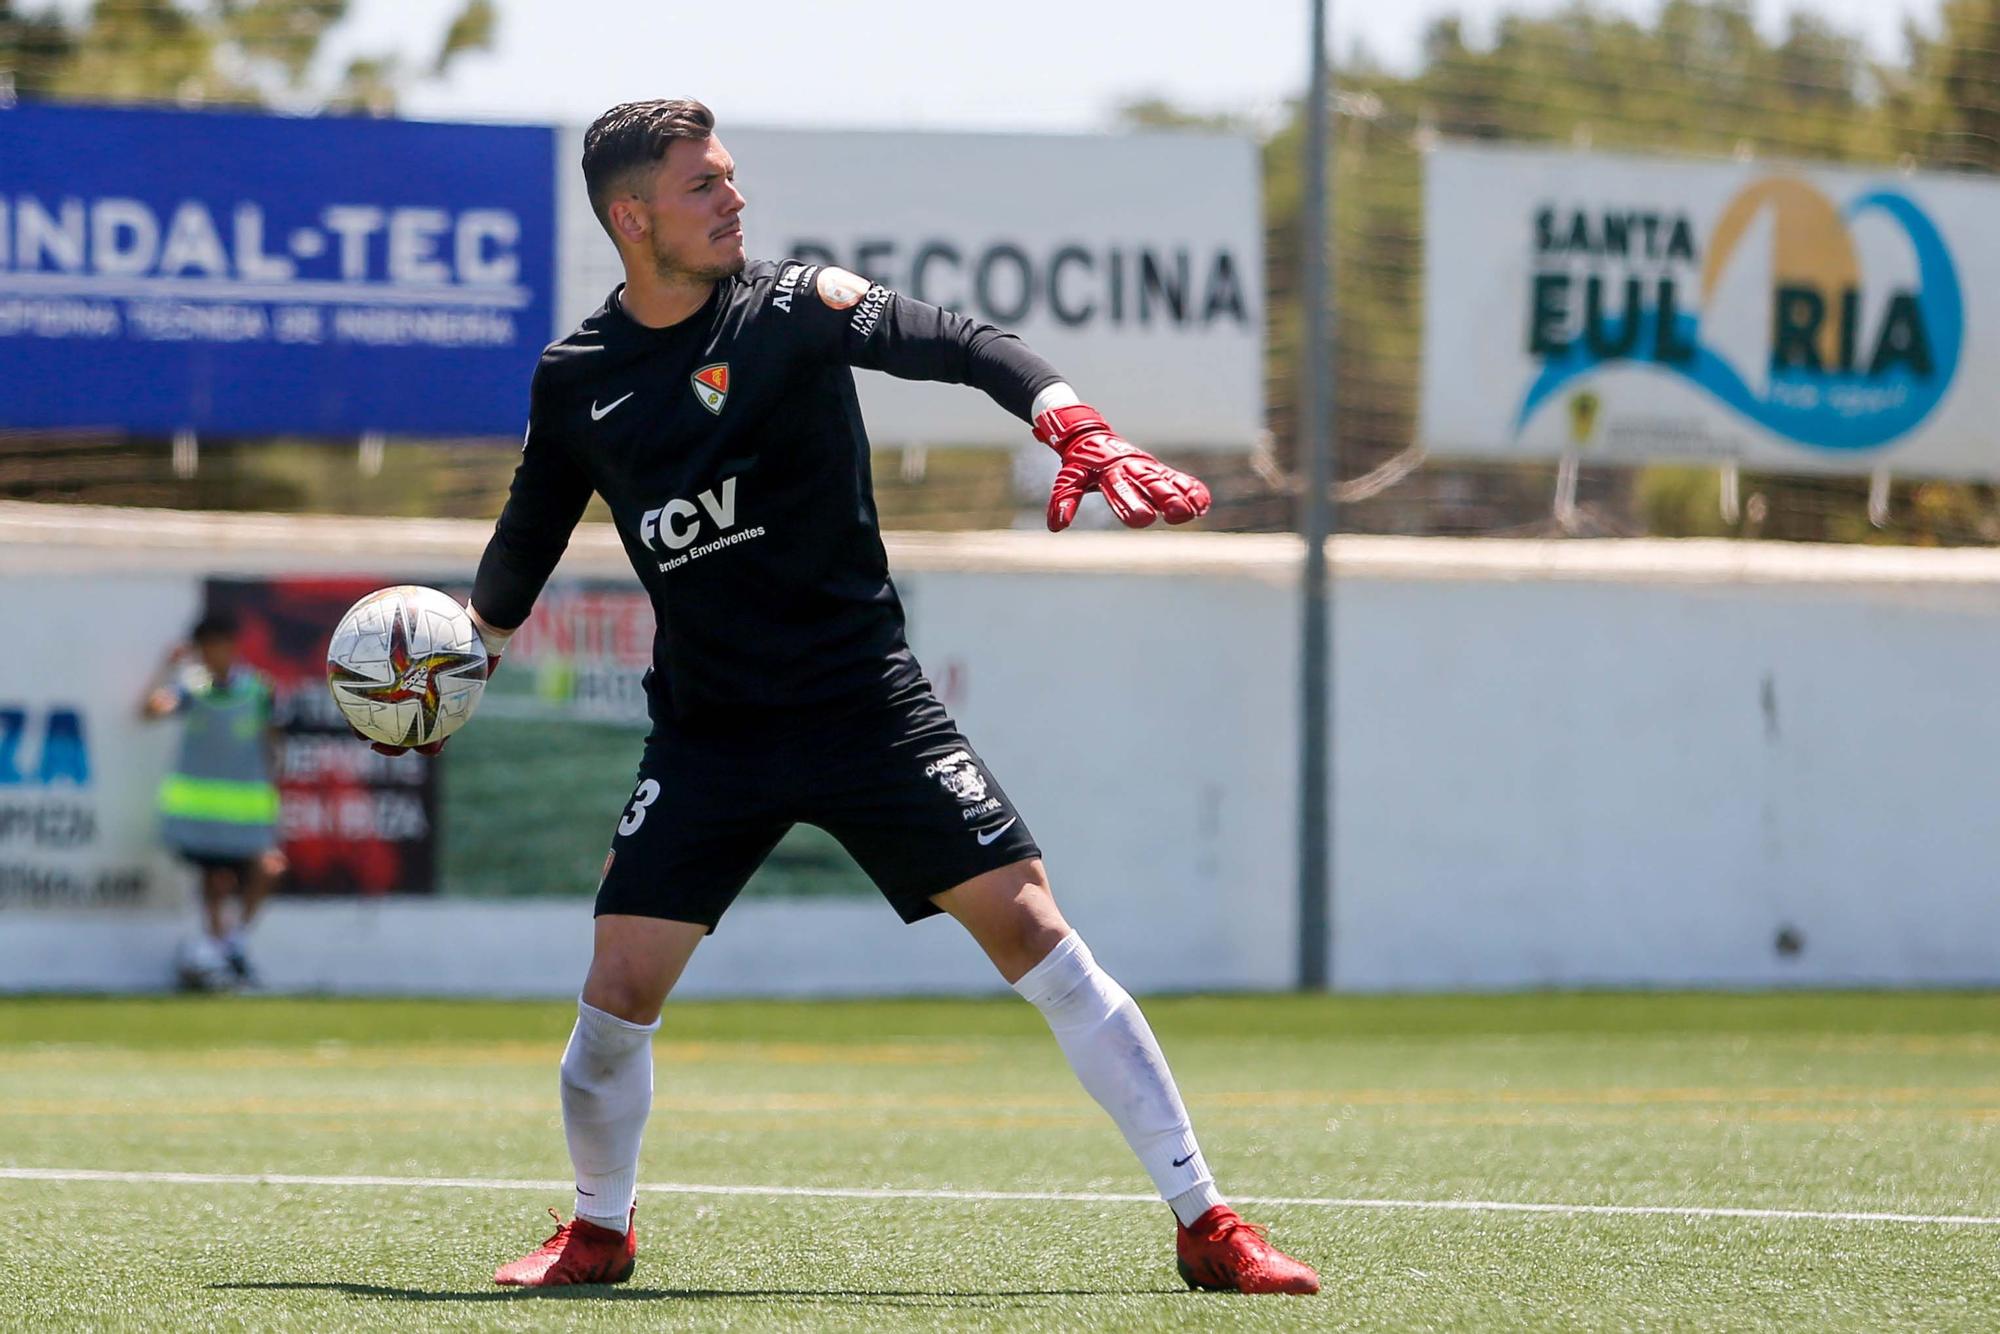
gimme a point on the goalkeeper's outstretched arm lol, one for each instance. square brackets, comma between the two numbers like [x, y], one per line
[544, 503]
[867, 325]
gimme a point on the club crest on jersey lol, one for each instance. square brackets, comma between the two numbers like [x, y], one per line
[711, 386]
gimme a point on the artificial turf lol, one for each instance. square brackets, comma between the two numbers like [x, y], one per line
[1851, 1103]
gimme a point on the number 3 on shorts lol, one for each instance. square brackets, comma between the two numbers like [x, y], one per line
[643, 796]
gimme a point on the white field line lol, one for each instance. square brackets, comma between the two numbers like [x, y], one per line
[1032, 1196]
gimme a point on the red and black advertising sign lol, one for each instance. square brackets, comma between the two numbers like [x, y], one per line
[353, 821]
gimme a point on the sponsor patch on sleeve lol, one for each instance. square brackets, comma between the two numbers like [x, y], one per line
[841, 289]
[791, 278]
[869, 312]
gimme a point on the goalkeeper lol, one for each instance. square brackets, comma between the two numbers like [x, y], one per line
[711, 403]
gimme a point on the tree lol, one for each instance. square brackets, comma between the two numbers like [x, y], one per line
[1699, 78]
[1966, 65]
[209, 52]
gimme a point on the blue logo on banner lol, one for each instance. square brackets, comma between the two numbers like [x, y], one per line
[259, 274]
[1833, 380]
[62, 755]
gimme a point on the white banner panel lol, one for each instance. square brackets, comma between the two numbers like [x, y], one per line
[78, 771]
[1635, 309]
[1134, 263]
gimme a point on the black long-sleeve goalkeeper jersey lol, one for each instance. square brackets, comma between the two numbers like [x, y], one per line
[731, 452]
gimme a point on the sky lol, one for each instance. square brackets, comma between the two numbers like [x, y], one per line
[1061, 65]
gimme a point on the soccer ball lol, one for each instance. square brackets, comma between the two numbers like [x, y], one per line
[406, 666]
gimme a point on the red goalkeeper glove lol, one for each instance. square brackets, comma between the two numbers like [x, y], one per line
[1138, 487]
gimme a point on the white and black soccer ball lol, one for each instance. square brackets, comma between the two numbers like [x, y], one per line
[406, 666]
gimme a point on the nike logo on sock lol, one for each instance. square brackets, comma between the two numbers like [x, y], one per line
[1183, 1162]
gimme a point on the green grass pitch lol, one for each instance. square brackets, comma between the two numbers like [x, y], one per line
[1854, 1104]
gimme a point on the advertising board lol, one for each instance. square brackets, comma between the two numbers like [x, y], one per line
[1134, 263]
[1806, 319]
[245, 274]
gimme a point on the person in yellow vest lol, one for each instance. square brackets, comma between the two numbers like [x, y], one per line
[219, 803]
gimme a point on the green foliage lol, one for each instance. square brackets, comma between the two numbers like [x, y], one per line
[1697, 77]
[211, 52]
[1965, 63]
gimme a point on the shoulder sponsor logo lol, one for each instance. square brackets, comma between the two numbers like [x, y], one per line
[790, 279]
[869, 312]
[598, 414]
[841, 289]
[711, 386]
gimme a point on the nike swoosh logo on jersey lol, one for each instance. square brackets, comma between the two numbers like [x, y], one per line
[598, 414]
[986, 836]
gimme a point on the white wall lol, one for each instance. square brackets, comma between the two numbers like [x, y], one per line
[1578, 783]
[1557, 764]
[1142, 723]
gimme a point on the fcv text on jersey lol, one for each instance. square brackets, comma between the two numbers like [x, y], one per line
[1073, 285]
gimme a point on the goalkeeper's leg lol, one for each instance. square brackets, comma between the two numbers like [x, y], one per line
[607, 1094]
[1110, 1046]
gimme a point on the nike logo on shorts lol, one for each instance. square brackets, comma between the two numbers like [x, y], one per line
[986, 836]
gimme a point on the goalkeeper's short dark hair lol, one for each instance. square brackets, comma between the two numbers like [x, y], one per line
[633, 136]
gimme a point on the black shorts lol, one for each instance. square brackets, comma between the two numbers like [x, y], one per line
[897, 785]
[208, 861]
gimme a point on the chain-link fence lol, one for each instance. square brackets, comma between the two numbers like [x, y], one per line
[1693, 79]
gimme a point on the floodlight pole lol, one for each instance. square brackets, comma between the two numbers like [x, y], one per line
[1315, 441]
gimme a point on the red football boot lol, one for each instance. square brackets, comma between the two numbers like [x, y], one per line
[1222, 1253]
[579, 1252]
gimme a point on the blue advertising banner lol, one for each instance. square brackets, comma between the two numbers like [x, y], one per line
[244, 274]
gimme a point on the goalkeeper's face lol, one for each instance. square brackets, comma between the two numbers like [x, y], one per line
[692, 211]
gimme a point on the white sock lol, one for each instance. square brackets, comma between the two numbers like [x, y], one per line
[607, 1092]
[1111, 1048]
